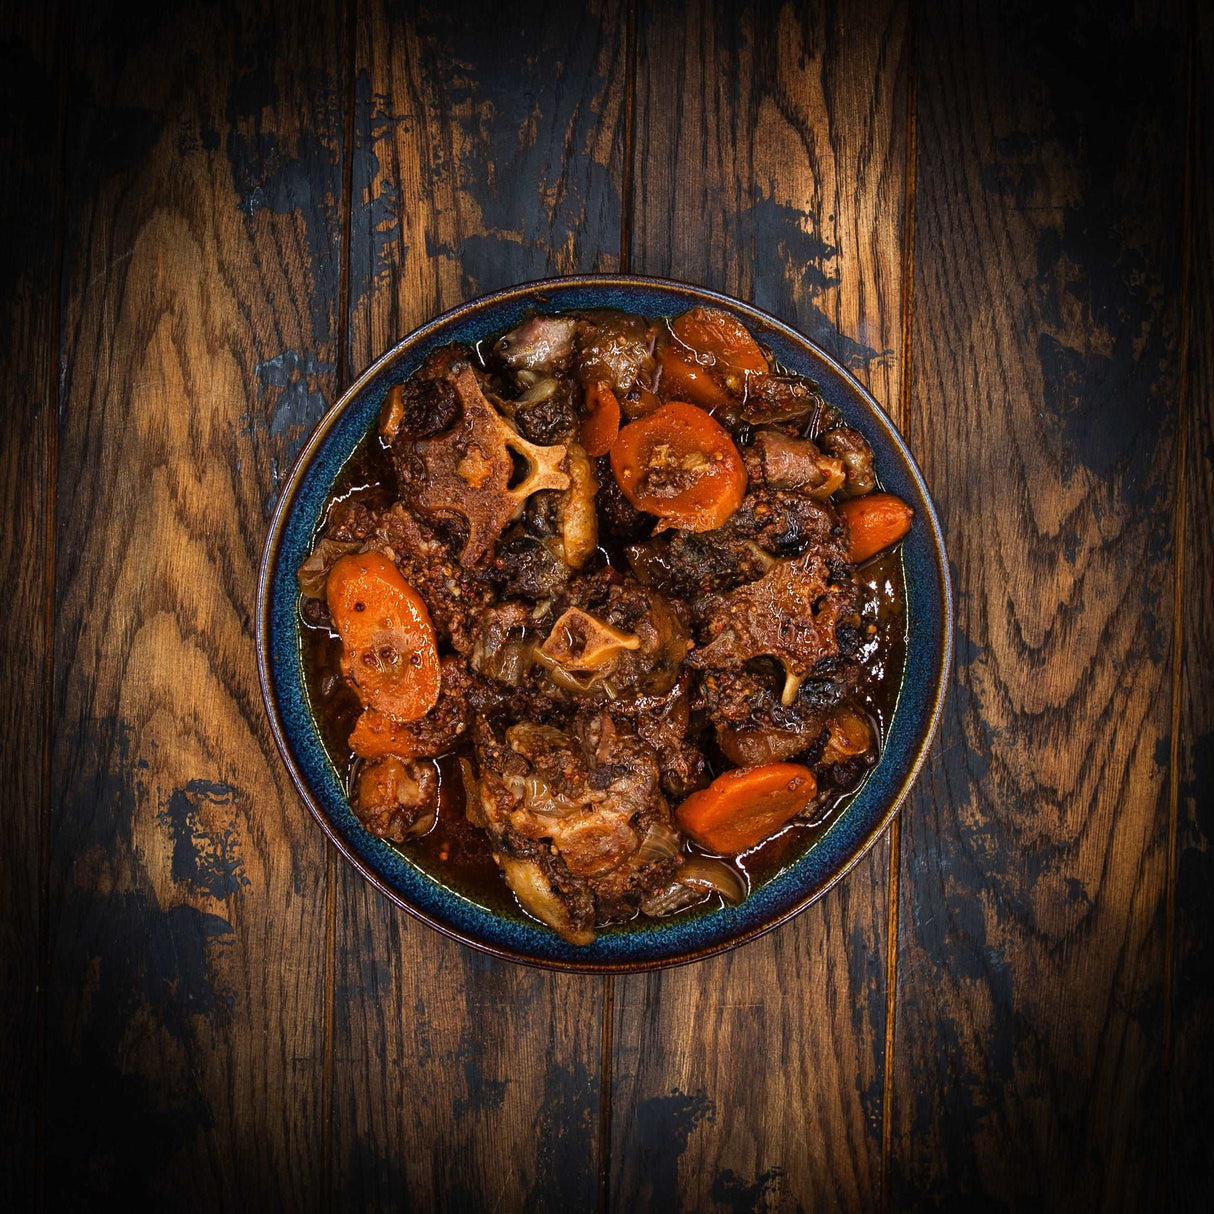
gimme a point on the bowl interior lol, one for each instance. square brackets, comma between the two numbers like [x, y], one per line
[649, 943]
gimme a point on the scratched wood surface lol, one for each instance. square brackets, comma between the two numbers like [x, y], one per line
[461, 1082]
[1190, 1093]
[187, 903]
[781, 181]
[1000, 218]
[27, 376]
[1029, 1058]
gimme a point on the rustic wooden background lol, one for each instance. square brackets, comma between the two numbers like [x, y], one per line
[1001, 217]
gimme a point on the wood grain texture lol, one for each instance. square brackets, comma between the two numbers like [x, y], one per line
[770, 163]
[1191, 1090]
[1028, 1057]
[29, 198]
[185, 1030]
[486, 153]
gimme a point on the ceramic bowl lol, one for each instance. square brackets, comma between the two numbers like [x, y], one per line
[646, 944]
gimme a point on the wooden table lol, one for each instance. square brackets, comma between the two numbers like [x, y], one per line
[1000, 218]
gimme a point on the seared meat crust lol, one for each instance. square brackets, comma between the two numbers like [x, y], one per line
[589, 694]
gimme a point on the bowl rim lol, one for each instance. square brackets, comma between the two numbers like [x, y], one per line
[290, 486]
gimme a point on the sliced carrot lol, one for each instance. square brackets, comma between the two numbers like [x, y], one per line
[602, 422]
[874, 522]
[389, 652]
[706, 358]
[720, 339]
[681, 465]
[741, 808]
[684, 379]
[647, 402]
[377, 735]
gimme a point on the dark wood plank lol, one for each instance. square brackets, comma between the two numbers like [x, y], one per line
[186, 925]
[1191, 1091]
[29, 218]
[486, 153]
[770, 163]
[1028, 1060]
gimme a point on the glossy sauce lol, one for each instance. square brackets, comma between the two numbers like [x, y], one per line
[456, 854]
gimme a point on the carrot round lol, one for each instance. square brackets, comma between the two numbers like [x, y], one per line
[875, 522]
[741, 808]
[389, 652]
[681, 465]
[720, 339]
[377, 735]
[602, 422]
[684, 379]
[707, 358]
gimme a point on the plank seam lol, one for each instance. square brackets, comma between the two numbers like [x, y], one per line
[904, 404]
[54, 397]
[1179, 557]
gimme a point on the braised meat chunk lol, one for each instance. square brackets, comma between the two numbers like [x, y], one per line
[627, 583]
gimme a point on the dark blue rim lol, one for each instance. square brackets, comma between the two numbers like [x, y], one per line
[648, 946]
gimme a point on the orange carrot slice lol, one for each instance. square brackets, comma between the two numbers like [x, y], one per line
[875, 522]
[741, 808]
[681, 465]
[389, 652]
[602, 422]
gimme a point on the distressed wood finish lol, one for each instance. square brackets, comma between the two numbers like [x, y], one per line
[28, 266]
[1191, 1090]
[485, 155]
[1029, 1039]
[461, 1082]
[185, 1033]
[770, 160]
[260, 198]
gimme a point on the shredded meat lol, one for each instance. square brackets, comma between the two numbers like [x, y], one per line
[790, 614]
[427, 402]
[454, 594]
[597, 663]
[554, 418]
[528, 566]
[612, 347]
[589, 798]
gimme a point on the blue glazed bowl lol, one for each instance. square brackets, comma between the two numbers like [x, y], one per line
[647, 944]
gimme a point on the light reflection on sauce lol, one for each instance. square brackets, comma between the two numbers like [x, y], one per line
[456, 854]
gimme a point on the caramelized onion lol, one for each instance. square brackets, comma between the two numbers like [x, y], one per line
[699, 870]
[473, 810]
[536, 895]
[579, 519]
[661, 842]
[542, 389]
[539, 798]
[698, 877]
[672, 898]
[314, 572]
